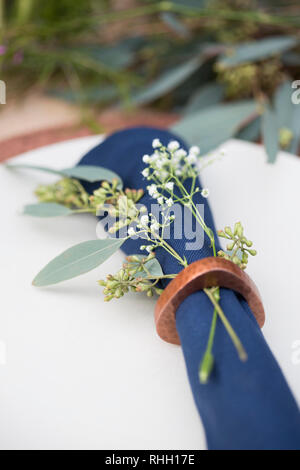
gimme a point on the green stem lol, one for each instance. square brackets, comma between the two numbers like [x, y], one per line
[2, 20]
[126, 14]
[234, 338]
[198, 216]
[24, 9]
[212, 332]
[207, 361]
[84, 210]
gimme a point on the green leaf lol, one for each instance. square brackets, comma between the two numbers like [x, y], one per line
[77, 260]
[256, 50]
[153, 267]
[251, 131]
[291, 59]
[117, 57]
[213, 126]
[206, 96]
[168, 81]
[84, 172]
[270, 132]
[172, 20]
[295, 128]
[190, 4]
[89, 94]
[46, 209]
[283, 104]
[90, 173]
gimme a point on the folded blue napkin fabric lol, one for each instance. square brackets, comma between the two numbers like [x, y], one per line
[245, 405]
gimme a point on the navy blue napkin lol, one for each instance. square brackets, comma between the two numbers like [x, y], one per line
[245, 405]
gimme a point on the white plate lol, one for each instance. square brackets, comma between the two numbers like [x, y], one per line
[78, 373]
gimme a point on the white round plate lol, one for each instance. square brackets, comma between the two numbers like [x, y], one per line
[78, 373]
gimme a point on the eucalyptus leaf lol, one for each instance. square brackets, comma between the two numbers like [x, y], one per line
[168, 81]
[46, 209]
[152, 266]
[251, 131]
[256, 50]
[172, 20]
[270, 133]
[117, 57]
[213, 126]
[91, 94]
[291, 59]
[190, 4]
[77, 260]
[91, 173]
[283, 104]
[295, 128]
[84, 172]
[206, 96]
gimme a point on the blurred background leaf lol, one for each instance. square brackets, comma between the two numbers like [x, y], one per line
[212, 126]
[199, 59]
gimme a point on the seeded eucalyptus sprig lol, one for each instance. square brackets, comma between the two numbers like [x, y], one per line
[138, 274]
[67, 191]
[239, 247]
[70, 193]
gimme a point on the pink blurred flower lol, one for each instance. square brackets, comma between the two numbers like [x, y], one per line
[2, 49]
[18, 58]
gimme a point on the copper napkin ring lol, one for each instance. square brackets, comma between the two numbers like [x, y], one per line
[207, 272]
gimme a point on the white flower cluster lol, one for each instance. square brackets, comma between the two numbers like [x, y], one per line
[170, 160]
[148, 227]
[165, 166]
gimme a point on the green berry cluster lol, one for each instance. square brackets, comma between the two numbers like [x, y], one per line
[125, 209]
[238, 248]
[132, 277]
[70, 193]
[122, 203]
[285, 137]
[107, 193]
[248, 79]
[66, 191]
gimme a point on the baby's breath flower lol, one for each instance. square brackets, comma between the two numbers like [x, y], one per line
[152, 189]
[145, 172]
[169, 185]
[154, 226]
[195, 150]
[156, 143]
[144, 220]
[162, 175]
[160, 163]
[180, 153]
[146, 159]
[169, 202]
[131, 231]
[160, 200]
[205, 193]
[173, 145]
[191, 158]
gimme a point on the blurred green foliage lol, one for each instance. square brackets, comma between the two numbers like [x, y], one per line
[181, 55]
